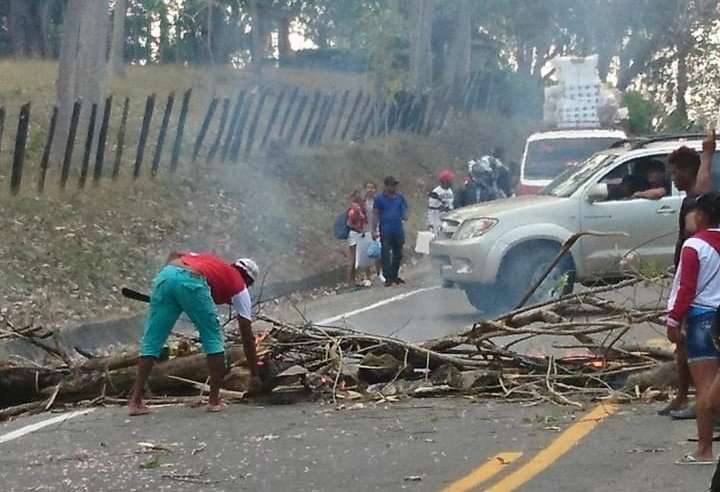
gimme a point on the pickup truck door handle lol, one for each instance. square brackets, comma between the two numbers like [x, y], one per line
[666, 210]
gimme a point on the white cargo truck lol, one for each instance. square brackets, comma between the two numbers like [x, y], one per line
[581, 112]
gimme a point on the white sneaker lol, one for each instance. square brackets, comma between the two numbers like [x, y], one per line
[381, 277]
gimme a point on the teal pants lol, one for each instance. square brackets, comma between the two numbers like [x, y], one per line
[177, 290]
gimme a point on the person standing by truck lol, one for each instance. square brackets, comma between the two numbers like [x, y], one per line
[692, 174]
[482, 185]
[694, 301]
[440, 199]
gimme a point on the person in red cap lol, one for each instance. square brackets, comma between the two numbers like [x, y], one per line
[440, 199]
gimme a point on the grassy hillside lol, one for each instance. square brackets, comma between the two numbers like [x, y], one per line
[65, 255]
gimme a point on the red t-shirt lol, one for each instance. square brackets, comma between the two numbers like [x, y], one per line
[225, 280]
[356, 218]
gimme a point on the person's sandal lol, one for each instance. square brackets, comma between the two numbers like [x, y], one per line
[217, 408]
[136, 411]
[689, 459]
[670, 407]
[687, 413]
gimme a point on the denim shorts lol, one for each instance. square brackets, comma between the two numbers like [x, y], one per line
[177, 290]
[699, 338]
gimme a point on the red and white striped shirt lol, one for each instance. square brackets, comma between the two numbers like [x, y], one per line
[697, 280]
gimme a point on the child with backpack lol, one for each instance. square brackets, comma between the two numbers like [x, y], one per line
[356, 222]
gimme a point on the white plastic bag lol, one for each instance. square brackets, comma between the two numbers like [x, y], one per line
[362, 260]
[422, 244]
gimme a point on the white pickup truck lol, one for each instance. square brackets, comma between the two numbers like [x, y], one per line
[497, 250]
[548, 154]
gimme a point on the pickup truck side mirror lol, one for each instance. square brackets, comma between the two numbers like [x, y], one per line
[597, 193]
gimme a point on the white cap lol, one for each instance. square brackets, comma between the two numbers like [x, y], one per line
[249, 267]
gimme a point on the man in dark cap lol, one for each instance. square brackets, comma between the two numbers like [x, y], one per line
[391, 210]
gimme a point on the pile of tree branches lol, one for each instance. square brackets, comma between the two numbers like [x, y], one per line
[342, 364]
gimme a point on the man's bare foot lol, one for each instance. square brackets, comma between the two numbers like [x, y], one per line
[704, 456]
[135, 409]
[216, 407]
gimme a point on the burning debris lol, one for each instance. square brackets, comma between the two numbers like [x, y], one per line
[310, 361]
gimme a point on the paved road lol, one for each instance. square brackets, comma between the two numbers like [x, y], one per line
[421, 445]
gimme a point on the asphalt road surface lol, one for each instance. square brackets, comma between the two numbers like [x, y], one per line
[446, 444]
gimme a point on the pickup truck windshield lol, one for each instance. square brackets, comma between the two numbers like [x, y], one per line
[569, 181]
[546, 159]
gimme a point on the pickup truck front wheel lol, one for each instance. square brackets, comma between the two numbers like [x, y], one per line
[518, 272]
[523, 267]
[484, 299]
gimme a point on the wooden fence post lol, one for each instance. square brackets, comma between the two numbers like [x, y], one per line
[315, 134]
[163, 133]
[70, 145]
[362, 116]
[308, 124]
[102, 141]
[421, 116]
[240, 131]
[273, 117]
[288, 110]
[121, 139]
[367, 122]
[177, 146]
[255, 121]
[204, 128]
[351, 116]
[144, 131]
[296, 119]
[232, 127]
[88, 146]
[46, 152]
[311, 116]
[326, 118]
[19, 154]
[221, 130]
[341, 113]
[2, 125]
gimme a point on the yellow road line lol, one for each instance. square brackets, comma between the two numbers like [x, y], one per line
[482, 473]
[552, 453]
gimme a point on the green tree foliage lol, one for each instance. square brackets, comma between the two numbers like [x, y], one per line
[665, 50]
[642, 113]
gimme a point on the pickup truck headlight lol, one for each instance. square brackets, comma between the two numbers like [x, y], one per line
[474, 228]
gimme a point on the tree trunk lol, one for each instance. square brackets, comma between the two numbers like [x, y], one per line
[149, 39]
[682, 86]
[42, 23]
[458, 69]
[83, 62]
[283, 40]
[18, 25]
[67, 74]
[421, 55]
[117, 46]
[164, 41]
[256, 46]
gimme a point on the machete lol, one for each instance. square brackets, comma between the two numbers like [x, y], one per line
[135, 295]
